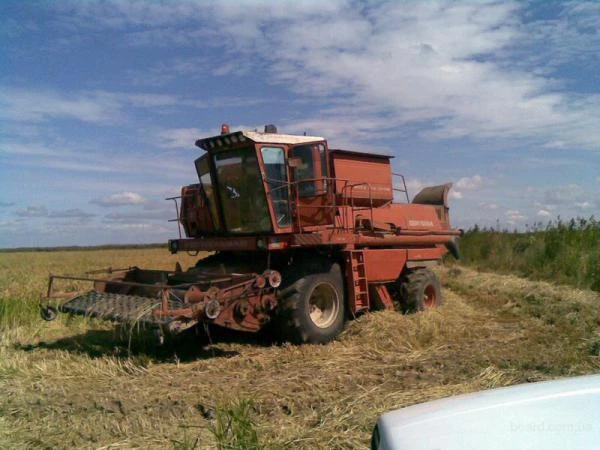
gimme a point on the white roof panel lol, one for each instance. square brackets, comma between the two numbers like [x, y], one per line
[275, 138]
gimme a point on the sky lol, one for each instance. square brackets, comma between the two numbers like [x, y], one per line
[101, 103]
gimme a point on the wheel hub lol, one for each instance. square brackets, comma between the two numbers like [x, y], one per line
[429, 297]
[323, 305]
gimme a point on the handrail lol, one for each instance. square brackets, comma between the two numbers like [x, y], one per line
[352, 186]
[178, 220]
[405, 190]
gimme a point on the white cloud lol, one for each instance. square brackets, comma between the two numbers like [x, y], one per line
[73, 213]
[31, 148]
[91, 106]
[33, 211]
[38, 106]
[460, 69]
[180, 137]
[583, 205]
[131, 226]
[445, 63]
[455, 195]
[151, 100]
[543, 213]
[414, 185]
[121, 199]
[490, 206]
[163, 215]
[165, 71]
[11, 225]
[42, 211]
[513, 216]
[564, 195]
[470, 183]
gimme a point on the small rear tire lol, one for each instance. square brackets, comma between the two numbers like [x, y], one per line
[312, 309]
[420, 290]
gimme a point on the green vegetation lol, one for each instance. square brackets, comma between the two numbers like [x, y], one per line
[563, 252]
[234, 427]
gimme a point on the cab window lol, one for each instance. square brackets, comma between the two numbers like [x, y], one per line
[277, 181]
[311, 173]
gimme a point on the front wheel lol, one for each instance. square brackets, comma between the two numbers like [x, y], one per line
[313, 309]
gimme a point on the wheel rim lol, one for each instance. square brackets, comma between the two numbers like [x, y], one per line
[430, 297]
[323, 305]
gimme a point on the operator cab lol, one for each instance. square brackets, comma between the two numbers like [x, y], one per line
[258, 183]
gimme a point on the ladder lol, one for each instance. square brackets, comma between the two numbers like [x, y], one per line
[356, 275]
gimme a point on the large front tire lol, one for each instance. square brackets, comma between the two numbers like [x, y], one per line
[312, 309]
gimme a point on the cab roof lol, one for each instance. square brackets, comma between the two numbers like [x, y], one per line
[257, 137]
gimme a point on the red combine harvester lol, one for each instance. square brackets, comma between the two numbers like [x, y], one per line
[304, 237]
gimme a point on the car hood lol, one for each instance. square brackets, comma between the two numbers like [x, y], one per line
[560, 414]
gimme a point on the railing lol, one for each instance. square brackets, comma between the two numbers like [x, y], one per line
[346, 195]
[358, 208]
[293, 187]
[178, 220]
[394, 189]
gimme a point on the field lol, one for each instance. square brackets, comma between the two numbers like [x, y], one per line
[76, 384]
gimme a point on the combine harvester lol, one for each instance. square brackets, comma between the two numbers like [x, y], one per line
[304, 237]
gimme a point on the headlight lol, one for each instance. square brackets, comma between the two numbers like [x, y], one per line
[261, 243]
[212, 309]
[273, 277]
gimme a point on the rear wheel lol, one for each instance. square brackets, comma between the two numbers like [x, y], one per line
[420, 290]
[312, 308]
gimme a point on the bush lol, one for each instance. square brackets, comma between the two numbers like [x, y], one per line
[566, 252]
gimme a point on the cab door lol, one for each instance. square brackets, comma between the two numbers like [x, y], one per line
[275, 179]
[311, 187]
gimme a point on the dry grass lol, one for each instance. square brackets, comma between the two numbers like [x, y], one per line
[72, 384]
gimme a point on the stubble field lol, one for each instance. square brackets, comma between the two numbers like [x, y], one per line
[76, 383]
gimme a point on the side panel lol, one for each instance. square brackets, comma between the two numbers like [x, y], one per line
[361, 177]
[403, 216]
[385, 264]
[426, 254]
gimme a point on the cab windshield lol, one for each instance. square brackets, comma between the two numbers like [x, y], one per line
[241, 191]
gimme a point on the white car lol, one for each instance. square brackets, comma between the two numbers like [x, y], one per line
[562, 414]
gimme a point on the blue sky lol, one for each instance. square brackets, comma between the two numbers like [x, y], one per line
[101, 102]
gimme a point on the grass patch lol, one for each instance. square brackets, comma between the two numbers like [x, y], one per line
[16, 312]
[234, 427]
